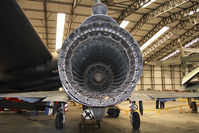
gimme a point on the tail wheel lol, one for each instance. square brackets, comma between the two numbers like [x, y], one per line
[194, 107]
[59, 121]
[135, 120]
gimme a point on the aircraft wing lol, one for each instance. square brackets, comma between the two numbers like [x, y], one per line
[191, 58]
[190, 76]
[190, 87]
[175, 61]
[152, 95]
[24, 59]
[20, 45]
[191, 50]
[172, 61]
[47, 96]
[140, 96]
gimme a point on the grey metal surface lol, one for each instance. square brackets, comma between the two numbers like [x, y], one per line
[112, 51]
[171, 94]
[191, 50]
[140, 96]
[59, 96]
[152, 95]
[99, 113]
[192, 87]
[190, 75]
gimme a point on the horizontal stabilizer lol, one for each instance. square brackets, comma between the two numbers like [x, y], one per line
[139, 96]
[58, 96]
[194, 87]
[190, 76]
[153, 95]
[191, 58]
[191, 50]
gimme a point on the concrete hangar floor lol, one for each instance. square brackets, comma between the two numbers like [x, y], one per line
[177, 119]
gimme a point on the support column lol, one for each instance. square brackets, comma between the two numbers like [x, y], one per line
[172, 77]
[152, 78]
[180, 74]
[163, 77]
[142, 82]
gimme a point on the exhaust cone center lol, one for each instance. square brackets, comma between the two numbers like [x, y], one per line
[99, 77]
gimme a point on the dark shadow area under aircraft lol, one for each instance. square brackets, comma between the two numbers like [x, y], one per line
[173, 122]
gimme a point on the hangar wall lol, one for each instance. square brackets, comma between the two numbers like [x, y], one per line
[160, 78]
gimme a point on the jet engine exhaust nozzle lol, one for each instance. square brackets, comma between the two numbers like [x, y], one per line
[99, 63]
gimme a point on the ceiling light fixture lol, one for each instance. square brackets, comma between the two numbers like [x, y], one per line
[124, 24]
[147, 4]
[158, 34]
[60, 29]
[192, 12]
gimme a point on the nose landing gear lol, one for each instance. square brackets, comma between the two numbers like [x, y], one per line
[134, 117]
[60, 117]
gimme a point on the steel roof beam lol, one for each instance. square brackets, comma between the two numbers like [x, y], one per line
[71, 18]
[194, 20]
[45, 20]
[130, 9]
[172, 18]
[70, 4]
[168, 47]
[38, 10]
[77, 14]
[165, 37]
[157, 12]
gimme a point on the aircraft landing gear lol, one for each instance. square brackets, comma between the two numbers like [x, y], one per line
[59, 121]
[194, 107]
[113, 112]
[135, 117]
[60, 117]
[32, 115]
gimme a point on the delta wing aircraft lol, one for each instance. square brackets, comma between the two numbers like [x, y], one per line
[98, 65]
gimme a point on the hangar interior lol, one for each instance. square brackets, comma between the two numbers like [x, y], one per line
[179, 18]
[165, 38]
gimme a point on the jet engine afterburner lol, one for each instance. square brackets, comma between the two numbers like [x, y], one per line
[99, 63]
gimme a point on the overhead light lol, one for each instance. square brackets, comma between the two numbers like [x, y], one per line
[124, 24]
[170, 55]
[177, 51]
[60, 89]
[147, 4]
[60, 29]
[158, 34]
[192, 12]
